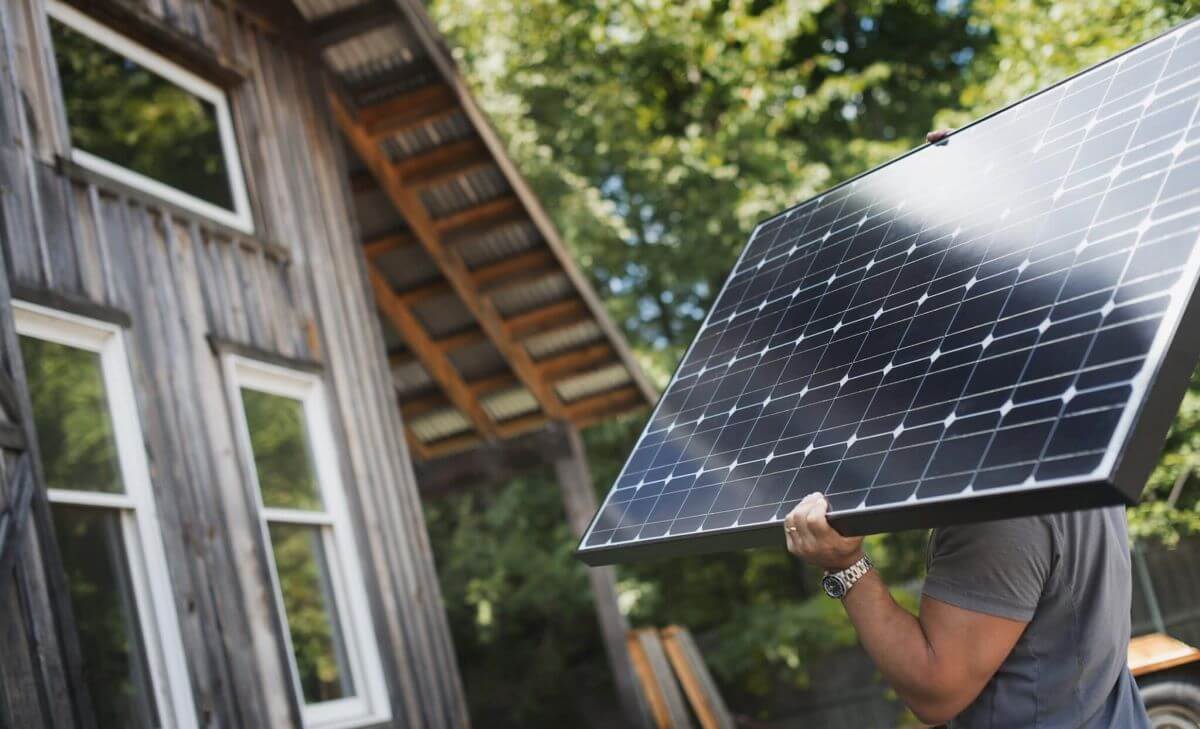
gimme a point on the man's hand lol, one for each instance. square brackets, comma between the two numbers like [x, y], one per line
[810, 537]
[936, 136]
[937, 662]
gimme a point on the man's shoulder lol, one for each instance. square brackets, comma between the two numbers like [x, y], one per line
[1036, 528]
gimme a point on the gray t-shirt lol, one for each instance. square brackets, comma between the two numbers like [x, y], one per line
[1068, 576]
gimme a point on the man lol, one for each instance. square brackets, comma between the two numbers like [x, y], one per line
[1023, 622]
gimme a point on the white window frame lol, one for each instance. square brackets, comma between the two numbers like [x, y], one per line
[147, 559]
[370, 704]
[238, 218]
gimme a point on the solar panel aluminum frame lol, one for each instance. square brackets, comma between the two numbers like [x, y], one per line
[1118, 479]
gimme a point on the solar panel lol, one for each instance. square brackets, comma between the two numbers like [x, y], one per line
[1000, 324]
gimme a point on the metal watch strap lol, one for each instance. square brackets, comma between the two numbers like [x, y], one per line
[851, 574]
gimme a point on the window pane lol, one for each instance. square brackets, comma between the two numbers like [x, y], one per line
[311, 612]
[70, 415]
[132, 117]
[114, 659]
[282, 457]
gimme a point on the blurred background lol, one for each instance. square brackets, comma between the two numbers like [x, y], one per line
[657, 133]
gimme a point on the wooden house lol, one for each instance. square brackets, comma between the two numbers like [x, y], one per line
[267, 272]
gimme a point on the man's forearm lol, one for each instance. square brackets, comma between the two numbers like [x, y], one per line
[896, 642]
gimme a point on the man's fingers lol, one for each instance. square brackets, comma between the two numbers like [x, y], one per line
[938, 135]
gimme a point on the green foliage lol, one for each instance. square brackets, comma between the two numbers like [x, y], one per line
[657, 133]
[660, 132]
[518, 603]
[1035, 44]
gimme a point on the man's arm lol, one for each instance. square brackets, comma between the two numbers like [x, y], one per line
[938, 662]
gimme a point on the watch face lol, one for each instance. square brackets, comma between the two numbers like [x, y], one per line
[833, 587]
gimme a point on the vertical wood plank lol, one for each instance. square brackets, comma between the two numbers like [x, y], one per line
[579, 500]
[697, 682]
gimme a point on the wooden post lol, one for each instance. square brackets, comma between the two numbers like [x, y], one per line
[695, 679]
[653, 669]
[579, 500]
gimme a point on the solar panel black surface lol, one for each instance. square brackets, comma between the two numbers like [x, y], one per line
[1000, 324]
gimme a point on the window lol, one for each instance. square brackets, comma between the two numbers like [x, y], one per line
[104, 520]
[138, 118]
[287, 440]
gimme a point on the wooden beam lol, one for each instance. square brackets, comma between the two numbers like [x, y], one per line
[491, 464]
[478, 215]
[377, 247]
[603, 404]
[439, 367]
[461, 339]
[407, 110]
[419, 450]
[522, 424]
[519, 265]
[453, 444]
[481, 276]
[448, 260]
[352, 22]
[440, 157]
[428, 116]
[697, 682]
[579, 501]
[499, 381]
[659, 686]
[437, 287]
[567, 363]
[544, 318]
[451, 172]
[415, 407]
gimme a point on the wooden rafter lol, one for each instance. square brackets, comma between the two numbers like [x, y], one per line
[593, 408]
[544, 318]
[491, 383]
[377, 247]
[438, 158]
[352, 22]
[582, 413]
[547, 318]
[557, 367]
[483, 214]
[505, 273]
[407, 110]
[436, 363]
[454, 171]
[554, 369]
[450, 263]
[508, 269]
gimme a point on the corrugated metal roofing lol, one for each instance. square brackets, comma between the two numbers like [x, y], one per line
[412, 142]
[440, 424]
[535, 294]
[591, 383]
[509, 404]
[465, 191]
[375, 53]
[501, 242]
[544, 344]
[318, 9]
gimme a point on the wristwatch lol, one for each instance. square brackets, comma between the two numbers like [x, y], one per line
[837, 584]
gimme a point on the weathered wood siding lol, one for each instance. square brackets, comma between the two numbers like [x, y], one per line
[295, 289]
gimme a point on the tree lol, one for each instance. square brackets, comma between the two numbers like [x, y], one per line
[657, 133]
[1034, 45]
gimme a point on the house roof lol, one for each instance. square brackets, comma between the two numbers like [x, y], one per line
[492, 329]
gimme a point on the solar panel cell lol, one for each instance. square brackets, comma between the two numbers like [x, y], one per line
[981, 328]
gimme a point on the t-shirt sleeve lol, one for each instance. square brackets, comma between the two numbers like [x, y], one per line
[998, 568]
